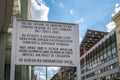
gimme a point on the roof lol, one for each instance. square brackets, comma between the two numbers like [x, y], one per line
[90, 39]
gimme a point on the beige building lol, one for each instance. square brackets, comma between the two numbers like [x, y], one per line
[56, 77]
[67, 73]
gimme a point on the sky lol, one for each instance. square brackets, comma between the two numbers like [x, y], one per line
[89, 14]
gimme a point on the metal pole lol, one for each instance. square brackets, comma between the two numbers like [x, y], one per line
[85, 62]
[39, 75]
[46, 72]
[78, 53]
[12, 71]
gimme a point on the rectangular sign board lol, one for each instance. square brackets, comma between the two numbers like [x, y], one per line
[45, 43]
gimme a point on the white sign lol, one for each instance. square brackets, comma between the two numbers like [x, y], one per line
[45, 43]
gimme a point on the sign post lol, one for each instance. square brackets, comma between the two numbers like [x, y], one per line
[45, 43]
[12, 71]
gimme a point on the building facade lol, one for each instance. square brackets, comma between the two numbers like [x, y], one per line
[116, 19]
[100, 55]
[20, 9]
[5, 17]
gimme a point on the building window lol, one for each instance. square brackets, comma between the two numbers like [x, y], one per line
[105, 57]
[114, 53]
[115, 65]
[108, 77]
[102, 60]
[111, 66]
[98, 60]
[110, 57]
